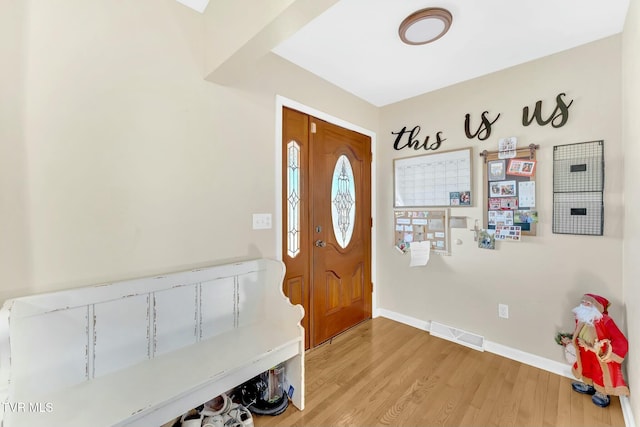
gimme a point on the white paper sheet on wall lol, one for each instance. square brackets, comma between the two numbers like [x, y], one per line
[420, 252]
[507, 147]
[527, 194]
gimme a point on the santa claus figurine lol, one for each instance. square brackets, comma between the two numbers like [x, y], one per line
[601, 349]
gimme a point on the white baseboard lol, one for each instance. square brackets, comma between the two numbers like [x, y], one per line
[627, 413]
[543, 363]
[407, 320]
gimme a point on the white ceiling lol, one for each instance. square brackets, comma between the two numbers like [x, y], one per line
[355, 44]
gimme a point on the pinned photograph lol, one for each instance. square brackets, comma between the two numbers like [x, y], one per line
[465, 198]
[487, 239]
[454, 198]
[525, 216]
[460, 198]
[521, 167]
[502, 189]
[495, 169]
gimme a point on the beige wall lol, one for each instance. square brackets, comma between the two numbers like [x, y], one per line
[14, 233]
[541, 278]
[631, 149]
[134, 163]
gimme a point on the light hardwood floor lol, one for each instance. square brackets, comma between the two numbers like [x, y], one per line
[382, 372]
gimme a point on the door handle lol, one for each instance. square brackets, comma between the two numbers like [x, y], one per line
[320, 243]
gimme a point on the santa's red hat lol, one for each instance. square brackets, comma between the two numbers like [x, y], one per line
[601, 303]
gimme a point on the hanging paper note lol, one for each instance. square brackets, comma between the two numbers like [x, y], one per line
[420, 252]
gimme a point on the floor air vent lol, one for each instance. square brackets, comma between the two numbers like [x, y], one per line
[457, 335]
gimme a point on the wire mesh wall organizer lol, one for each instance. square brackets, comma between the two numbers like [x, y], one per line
[578, 186]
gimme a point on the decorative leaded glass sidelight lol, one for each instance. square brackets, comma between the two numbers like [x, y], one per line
[343, 201]
[293, 199]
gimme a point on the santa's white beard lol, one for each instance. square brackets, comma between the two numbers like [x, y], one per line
[587, 314]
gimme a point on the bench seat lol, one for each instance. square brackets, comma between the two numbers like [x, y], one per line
[167, 383]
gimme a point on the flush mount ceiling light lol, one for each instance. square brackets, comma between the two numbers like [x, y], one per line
[425, 25]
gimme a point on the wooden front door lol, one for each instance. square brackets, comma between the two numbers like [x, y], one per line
[341, 221]
[327, 224]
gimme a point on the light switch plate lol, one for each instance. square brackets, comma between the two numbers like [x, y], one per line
[261, 221]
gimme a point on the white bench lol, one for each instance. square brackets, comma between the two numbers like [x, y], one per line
[141, 352]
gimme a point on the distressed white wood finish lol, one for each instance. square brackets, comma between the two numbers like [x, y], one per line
[38, 355]
[121, 334]
[175, 327]
[218, 311]
[141, 352]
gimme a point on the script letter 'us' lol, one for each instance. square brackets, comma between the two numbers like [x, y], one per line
[558, 118]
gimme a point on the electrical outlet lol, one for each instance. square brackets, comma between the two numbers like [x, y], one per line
[503, 311]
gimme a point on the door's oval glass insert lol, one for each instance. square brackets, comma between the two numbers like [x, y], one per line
[343, 201]
[293, 199]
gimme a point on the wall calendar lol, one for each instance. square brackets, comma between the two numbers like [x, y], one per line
[439, 179]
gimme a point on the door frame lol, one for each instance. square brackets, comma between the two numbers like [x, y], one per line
[282, 101]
